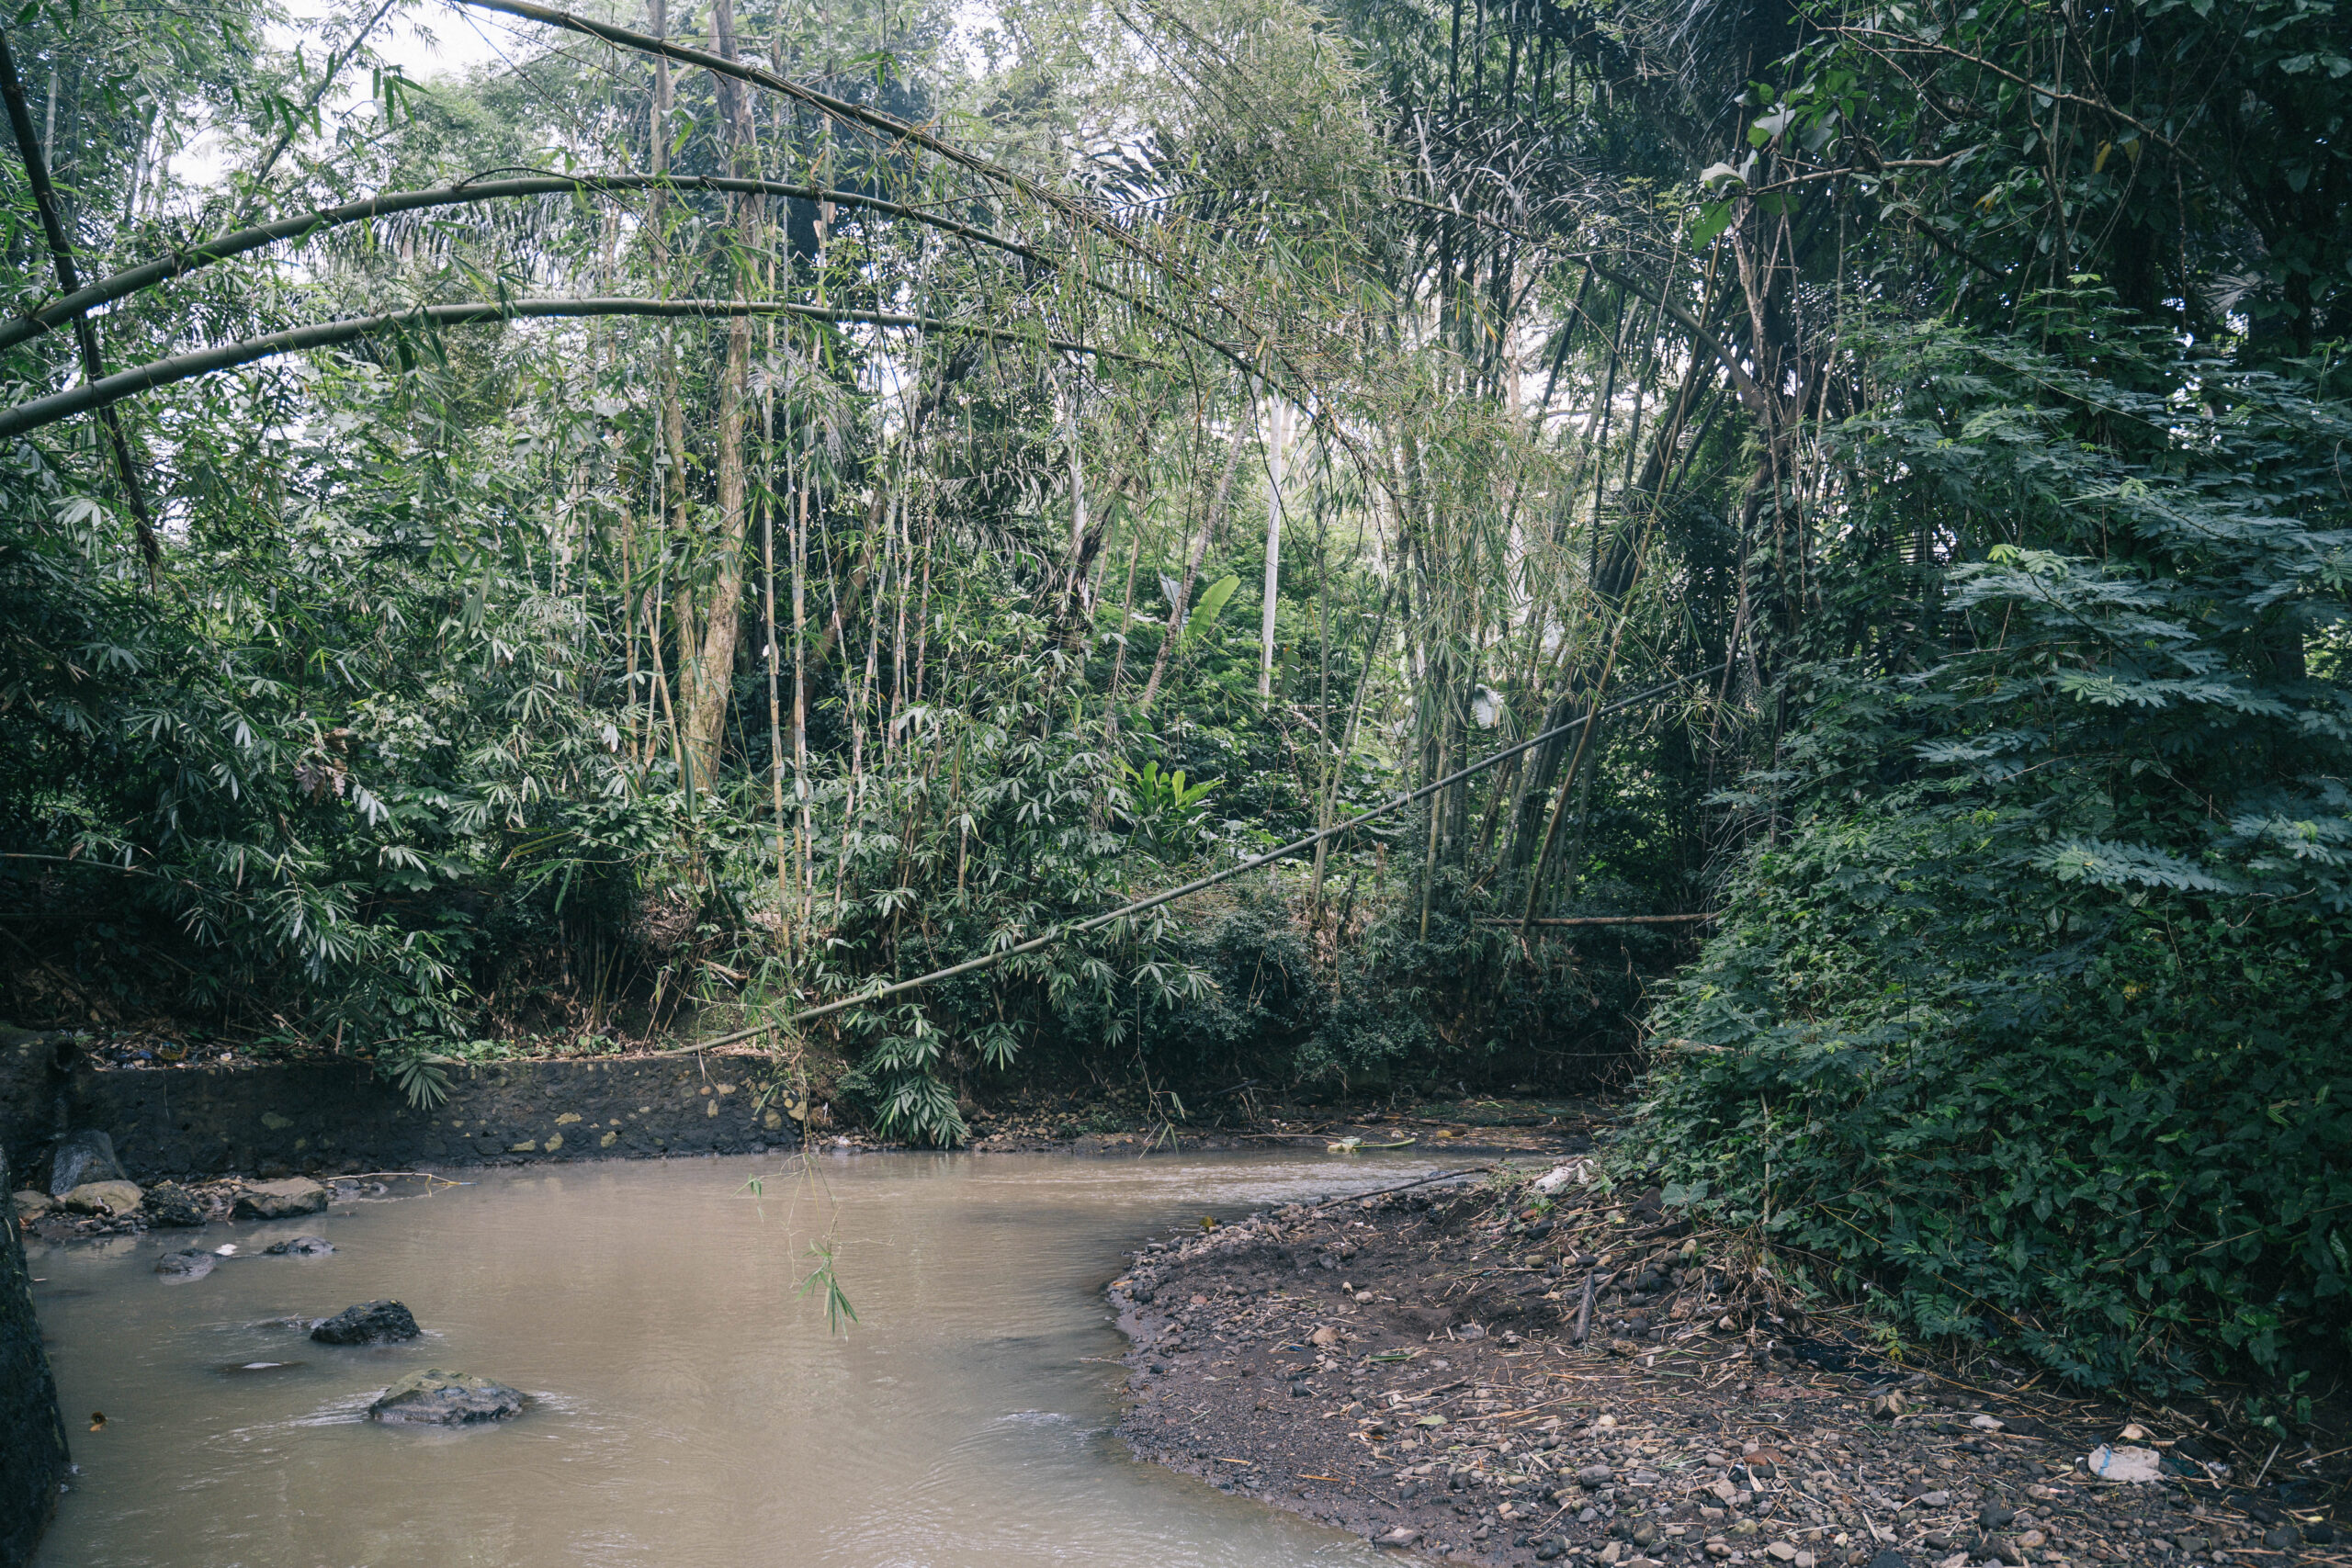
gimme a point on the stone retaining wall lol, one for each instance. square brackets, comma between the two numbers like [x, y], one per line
[335, 1116]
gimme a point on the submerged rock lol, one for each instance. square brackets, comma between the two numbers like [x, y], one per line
[108, 1198]
[301, 1246]
[185, 1266]
[280, 1199]
[80, 1158]
[170, 1204]
[370, 1323]
[436, 1398]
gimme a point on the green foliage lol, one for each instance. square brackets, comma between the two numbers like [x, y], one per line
[1212, 604]
[825, 1281]
[417, 1071]
[2030, 1014]
[1168, 815]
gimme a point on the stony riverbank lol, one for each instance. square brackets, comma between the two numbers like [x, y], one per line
[1408, 1367]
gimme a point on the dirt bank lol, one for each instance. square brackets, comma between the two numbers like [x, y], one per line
[1408, 1367]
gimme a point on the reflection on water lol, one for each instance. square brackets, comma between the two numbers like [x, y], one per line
[687, 1406]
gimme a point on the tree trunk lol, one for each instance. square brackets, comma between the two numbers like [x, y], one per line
[1275, 420]
[706, 670]
[1199, 553]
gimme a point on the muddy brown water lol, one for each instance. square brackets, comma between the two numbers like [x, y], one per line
[687, 1405]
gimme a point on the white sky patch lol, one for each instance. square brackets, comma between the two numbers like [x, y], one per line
[428, 42]
[973, 21]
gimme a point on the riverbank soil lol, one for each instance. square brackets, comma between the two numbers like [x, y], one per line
[1408, 1367]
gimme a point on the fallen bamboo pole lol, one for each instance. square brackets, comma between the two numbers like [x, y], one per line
[1080, 927]
[1597, 920]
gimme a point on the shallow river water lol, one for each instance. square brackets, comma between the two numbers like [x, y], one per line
[688, 1407]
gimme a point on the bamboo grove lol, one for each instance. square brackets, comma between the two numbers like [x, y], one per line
[733, 503]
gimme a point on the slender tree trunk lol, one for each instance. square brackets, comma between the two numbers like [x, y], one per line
[806, 880]
[784, 912]
[713, 658]
[1199, 553]
[1077, 603]
[1276, 420]
[673, 513]
[1126, 620]
[1326, 810]
[85, 335]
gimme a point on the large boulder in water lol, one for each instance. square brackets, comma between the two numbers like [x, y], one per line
[370, 1323]
[108, 1198]
[80, 1158]
[436, 1398]
[279, 1200]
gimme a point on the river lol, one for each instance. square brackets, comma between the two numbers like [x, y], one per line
[688, 1406]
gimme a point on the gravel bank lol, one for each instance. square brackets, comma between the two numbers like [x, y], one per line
[1408, 1367]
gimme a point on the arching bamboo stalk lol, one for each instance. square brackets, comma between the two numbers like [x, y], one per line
[124, 384]
[242, 242]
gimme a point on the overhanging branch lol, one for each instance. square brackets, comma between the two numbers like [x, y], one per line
[124, 384]
[163, 269]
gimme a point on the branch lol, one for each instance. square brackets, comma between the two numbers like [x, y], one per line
[885, 125]
[2100, 104]
[1749, 392]
[163, 269]
[61, 252]
[326, 334]
[897, 131]
[335, 62]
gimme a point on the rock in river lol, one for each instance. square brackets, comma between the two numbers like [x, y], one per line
[184, 1266]
[169, 1203]
[445, 1399]
[103, 1198]
[31, 1205]
[370, 1323]
[301, 1246]
[280, 1199]
[80, 1158]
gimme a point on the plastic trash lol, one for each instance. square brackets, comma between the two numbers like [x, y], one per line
[1561, 1174]
[2124, 1465]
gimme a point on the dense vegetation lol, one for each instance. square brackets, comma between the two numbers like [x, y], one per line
[872, 484]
